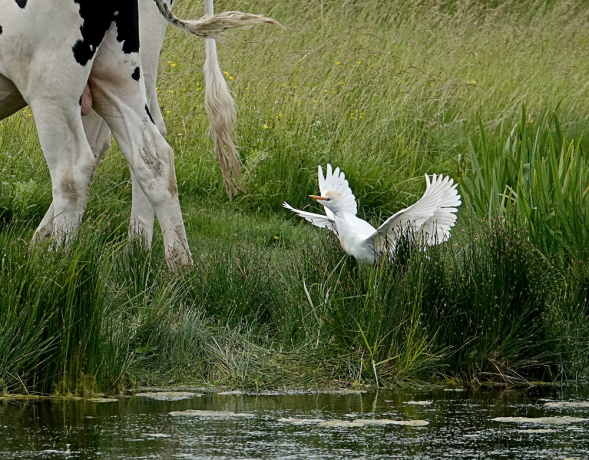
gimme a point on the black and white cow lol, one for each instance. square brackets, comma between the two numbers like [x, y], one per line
[66, 57]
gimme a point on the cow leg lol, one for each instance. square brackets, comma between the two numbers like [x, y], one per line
[98, 136]
[70, 161]
[151, 160]
[153, 27]
[120, 100]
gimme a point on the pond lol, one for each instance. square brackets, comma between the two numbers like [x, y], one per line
[437, 423]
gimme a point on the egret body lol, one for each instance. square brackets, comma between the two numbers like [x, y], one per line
[429, 219]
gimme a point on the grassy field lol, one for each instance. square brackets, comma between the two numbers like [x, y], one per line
[493, 93]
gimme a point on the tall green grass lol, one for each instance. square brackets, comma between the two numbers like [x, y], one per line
[387, 91]
[102, 315]
[533, 175]
[57, 332]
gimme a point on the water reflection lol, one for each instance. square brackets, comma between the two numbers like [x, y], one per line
[460, 426]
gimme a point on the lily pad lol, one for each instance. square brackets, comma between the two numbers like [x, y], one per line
[386, 421]
[565, 420]
[156, 435]
[568, 404]
[211, 414]
[373, 421]
[169, 395]
[539, 430]
[419, 403]
[301, 421]
[340, 423]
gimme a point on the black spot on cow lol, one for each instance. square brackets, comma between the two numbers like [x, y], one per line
[0, 30]
[149, 114]
[127, 21]
[21, 3]
[98, 17]
[136, 74]
[81, 100]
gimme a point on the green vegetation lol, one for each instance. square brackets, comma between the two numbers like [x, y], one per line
[492, 93]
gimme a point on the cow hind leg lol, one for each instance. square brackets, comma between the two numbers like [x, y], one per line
[98, 136]
[71, 165]
[142, 214]
[151, 160]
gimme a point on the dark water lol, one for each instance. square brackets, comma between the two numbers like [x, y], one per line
[460, 426]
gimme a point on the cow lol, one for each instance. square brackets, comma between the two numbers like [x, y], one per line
[85, 72]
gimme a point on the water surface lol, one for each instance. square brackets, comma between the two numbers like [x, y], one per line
[460, 425]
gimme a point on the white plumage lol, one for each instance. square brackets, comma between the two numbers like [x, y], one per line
[430, 219]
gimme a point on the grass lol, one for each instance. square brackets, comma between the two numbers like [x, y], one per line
[491, 93]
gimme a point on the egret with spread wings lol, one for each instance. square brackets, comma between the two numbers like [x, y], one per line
[430, 219]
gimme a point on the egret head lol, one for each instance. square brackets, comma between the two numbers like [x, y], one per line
[331, 200]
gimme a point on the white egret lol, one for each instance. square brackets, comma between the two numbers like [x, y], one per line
[430, 219]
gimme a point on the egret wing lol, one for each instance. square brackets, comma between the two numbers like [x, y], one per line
[432, 216]
[335, 182]
[316, 219]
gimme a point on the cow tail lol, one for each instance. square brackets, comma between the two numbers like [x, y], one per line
[219, 104]
[222, 112]
[212, 25]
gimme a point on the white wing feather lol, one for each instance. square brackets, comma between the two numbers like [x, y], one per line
[316, 219]
[431, 217]
[335, 182]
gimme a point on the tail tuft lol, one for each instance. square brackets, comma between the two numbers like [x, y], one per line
[212, 25]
